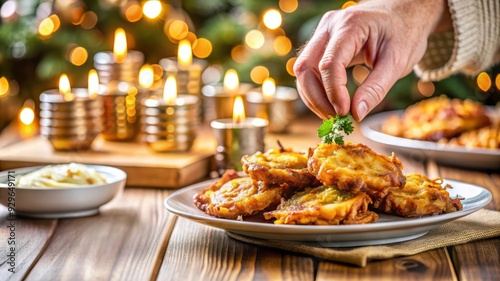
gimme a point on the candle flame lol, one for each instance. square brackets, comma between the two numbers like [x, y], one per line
[268, 88]
[93, 83]
[184, 54]
[146, 76]
[170, 90]
[64, 87]
[238, 110]
[120, 45]
[231, 81]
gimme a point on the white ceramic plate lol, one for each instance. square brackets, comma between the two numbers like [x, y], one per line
[475, 158]
[388, 229]
[62, 202]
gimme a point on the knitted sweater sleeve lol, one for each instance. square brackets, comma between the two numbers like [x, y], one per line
[472, 46]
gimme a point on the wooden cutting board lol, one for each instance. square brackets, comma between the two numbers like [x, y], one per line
[144, 167]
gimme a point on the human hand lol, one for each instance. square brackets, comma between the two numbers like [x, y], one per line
[388, 36]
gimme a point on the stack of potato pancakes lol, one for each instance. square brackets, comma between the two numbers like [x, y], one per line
[330, 184]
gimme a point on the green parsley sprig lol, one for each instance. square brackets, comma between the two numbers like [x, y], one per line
[333, 129]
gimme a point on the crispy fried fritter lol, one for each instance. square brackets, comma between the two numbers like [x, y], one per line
[276, 167]
[436, 118]
[234, 197]
[419, 197]
[355, 167]
[323, 205]
[486, 137]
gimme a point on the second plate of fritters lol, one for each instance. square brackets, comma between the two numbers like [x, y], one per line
[355, 167]
[323, 205]
[279, 166]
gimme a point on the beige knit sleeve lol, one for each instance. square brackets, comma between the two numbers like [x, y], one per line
[473, 45]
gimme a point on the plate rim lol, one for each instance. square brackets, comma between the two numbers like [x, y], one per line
[401, 224]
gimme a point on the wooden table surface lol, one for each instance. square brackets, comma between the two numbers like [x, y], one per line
[136, 238]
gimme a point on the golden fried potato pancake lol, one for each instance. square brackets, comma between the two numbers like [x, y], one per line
[323, 205]
[239, 197]
[486, 137]
[419, 197]
[436, 118]
[275, 167]
[355, 167]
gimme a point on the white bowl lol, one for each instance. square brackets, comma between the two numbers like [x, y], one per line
[63, 202]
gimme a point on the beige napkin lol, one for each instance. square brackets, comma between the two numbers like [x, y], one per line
[479, 225]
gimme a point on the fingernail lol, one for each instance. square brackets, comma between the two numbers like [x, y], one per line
[336, 108]
[362, 109]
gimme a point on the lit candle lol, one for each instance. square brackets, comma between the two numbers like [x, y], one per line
[184, 54]
[120, 45]
[219, 99]
[146, 76]
[273, 103]
[65, 88]
[237, 136]
[70, 118]
[170, 123]
[170, 91]
[93, 84]
[231, 81]
[268, 89]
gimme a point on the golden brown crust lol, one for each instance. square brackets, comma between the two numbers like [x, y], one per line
[436, 118]
[419, 197]
[355, 167]
[275, 167]
[323, 205]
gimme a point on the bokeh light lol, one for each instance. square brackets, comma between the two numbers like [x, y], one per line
[497, 81]
[152, 9]
[272, 18]
[348, 4]
[27, 115]
[282, 45]
[78, 56]
[4, 86]
[427, 89]
[240, 54]
[259, 74]
[289, 6]
[254, 39]
[133, 12]
[483, 81]
[49, 25]
[289, 66]
[89, 20]
[202, 48]
[177, 29]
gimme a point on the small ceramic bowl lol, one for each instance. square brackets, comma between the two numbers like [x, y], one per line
[59, 202]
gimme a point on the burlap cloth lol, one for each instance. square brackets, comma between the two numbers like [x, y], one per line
[479, 225]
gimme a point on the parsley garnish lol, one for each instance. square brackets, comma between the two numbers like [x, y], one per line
[331, 129]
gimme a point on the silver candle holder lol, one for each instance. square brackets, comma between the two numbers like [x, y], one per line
[218, 102]
[279, 109]
[170, 127]
[71, 121]
[236, 139]
[121, 101]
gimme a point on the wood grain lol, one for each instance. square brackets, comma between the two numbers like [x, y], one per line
[431, 265]
[30, 237]
[124, 242]
[198, 252]
[479, 260]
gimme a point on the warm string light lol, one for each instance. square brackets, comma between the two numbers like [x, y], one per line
[238, 110]
[170, 90]
[120, 45]
[152, 9]
[231, 81]
[26, 119]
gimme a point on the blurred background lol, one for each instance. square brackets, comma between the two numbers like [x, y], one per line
[40, 40]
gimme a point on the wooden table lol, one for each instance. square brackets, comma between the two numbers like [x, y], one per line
[135, 238]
